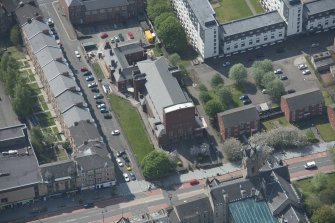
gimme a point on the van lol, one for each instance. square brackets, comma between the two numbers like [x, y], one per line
[310, 165]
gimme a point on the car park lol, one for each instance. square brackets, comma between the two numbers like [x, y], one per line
[194, 182]
[112, 40]
[88, 73]
[115, 132]
[56, 36]
[92, 85]
[130, 35]
[119, 162]
[50, 22]
[310, 165]
[305, 72]
[95, 90]
[125, 157]
[126, 177]
[132, 176]
[116, 38]
[99, 101]
[278, 71]
[98, 96]
[89, 78]
[83, 69]
[247, 101]
[101, 106]
[77, 54]
[108, 116]
[120, 153]
[103, 110]
[302, 66]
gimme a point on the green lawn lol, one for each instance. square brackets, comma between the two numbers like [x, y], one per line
[45, 119]
[16, 54]
[275, 122]
[257, 6]
[231, 10]
[61, 154]
[236, 94]
[97, 70]
[132, 127]
[43, 103]
[326, 132]
[328, 99]
[306, 187]
[36, 90]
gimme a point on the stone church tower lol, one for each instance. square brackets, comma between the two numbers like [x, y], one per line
[252, 161]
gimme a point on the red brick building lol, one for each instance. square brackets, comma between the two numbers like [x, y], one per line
[94, 11]
[239, 121]
[302, 104]
[331, 115]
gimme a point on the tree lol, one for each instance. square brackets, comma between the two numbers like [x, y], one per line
[174, 59]
[258, 76]
[319, 181]
[15, 35]
[233, 149]
[204, 97]
[153, 11]
[264, 65]
[267, 79]
[238, 73]
[332, 153]
[216, 80]
[202, 87]
[224, 95]
[161, 18]
[36, 139]
[324, 214]
[173, 35]
[275, 89]
[22, 100]
[327, 196]
[156, 164]
[10, 78]
[213, 107]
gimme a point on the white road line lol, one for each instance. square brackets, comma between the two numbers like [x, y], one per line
[53, 5]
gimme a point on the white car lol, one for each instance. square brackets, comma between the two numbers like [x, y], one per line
[278, 71]
[126, 177]
[91, 85]
[115, 132]
[77, 54]
[264, 91]
[119, 162]
[101, 106]
[226, 64]
[305, 72]
[310, 165]
[302, 66]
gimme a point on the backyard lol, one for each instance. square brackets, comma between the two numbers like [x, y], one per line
[227, 10]
[97, 70]
[132, 126]
[275, 122]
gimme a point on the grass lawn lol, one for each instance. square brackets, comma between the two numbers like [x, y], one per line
[97, 70]
[43, 103]
[236, 94]
[61, 154]
[36, 90]
[275, 122]
[132, 126]
[231, 10]
[16, 54]
[23, 64]
[328, 99]
[257, 6]
[45, 119]
[326, 132]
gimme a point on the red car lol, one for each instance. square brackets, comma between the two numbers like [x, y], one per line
[103, 35]
[130, 35]
[194, 182]
[83, 69]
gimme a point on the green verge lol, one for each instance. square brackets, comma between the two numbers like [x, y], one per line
[231, 10]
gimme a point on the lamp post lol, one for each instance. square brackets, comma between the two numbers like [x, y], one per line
[170, 197]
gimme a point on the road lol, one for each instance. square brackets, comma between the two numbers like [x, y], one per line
[113, 209]
[7, 115]
[115, 143]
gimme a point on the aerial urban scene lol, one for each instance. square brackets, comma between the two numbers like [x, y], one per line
[167, 111]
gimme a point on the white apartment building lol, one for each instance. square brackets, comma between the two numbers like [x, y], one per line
[319, 17]
[252, 32]
[198, 19]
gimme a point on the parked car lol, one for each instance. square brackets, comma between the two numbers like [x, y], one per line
[95, 90]
[302, 66]
[77, 54]
[132, 176]
[101, 106]
[264, 91]
[98, 96]
[88, 73]
[115, 132]
[305, 72]
[290, 91]
[99, 102]
[119, 162]
[108, 116]
[128, 167]
[83, 69]
[226, 64]
[126, 177]
[283, 77]
[125, 157]
[91, 85]
[247, 101]
[130, 35]
[120, 36]
[103, 110]
[89, 78]
[310, 165]
[120, 153]
[278, 71]
[112, 40]
[103, 35]
[88, 205]
[193, 182]
[244, 97]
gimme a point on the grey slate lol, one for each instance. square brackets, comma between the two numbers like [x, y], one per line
[57, 169]
[62, 83]
[251, 23]
[244, 114]
[203, 11]
[163, 89]
[69, 99]
[33, 28]
[42, 40]
[48, 54]
[29, 10]
[301, 99]
[54, 69]
[84, 131]
[76, 114]
[319, 6]
[11, 132]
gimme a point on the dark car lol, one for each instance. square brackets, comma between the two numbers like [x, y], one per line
[108, 116]
[121, 37]
[88, 205]
[290, 91]
[120, 153]
[283, 77]
[132, 176]
[98, 96]
[88, 73]
[246, 102]
[95, 89]
[104, 110]
[244, 97]
[99, 102]
[125, 157]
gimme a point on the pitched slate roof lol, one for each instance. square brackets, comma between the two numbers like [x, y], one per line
[301, 99]
[58, 169]
[35, 27]
[42, 40]
[319, 6]
[84, 131]
[54, 69]
[203, 11]
[69, 99]
[28, 9]
[76, 114]
[62, 83]
[239, 115]
[48, 54]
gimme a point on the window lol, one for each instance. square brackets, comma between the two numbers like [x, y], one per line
[242, 44]
[243, 38]
[228, 48]
[235, 46]
[250, 42]
[280, 34]
[257, 40]
[214, 51]
[265, 38]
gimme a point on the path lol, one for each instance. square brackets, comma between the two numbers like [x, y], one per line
[251, 7]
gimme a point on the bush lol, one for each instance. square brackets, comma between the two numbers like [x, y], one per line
[233, 149]
[204, 97]
[202, 87]
[216, 80]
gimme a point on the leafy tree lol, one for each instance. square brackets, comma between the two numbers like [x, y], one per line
[36, 139]
[216, 80]
[327, 196]
[173, 35]
[312, 202]
[202, 87]
[213, 107]
[264, 65]
[10, 78]
[157, 9]
[225, 96]
[267, 79]
[238, 73]
[174, 59]
[275, 89]
[258, 76]
[319, 181]
[161, 18]
[15, 35]
[324, 214]
[204, 96]
[22, 100]
[156, 164]
[332, 153]
[233, 149]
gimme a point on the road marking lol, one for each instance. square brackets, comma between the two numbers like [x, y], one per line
[53, 5]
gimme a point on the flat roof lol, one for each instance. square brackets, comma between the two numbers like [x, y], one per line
[250, 211]
[319, 6]
[178, 106]
[11, 132]
[251, 23]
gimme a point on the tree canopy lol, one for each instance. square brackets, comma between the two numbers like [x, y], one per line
[213, 107]
[156, 8]
[238, 73]
[22, 99]
[276, 89]
[224, 95]
[15, 35]
[324, 214]
[204, 96]
[233, 149]
[267, 78]
[216, 80]
[259, 68]
[156, 164]
[161, 18]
